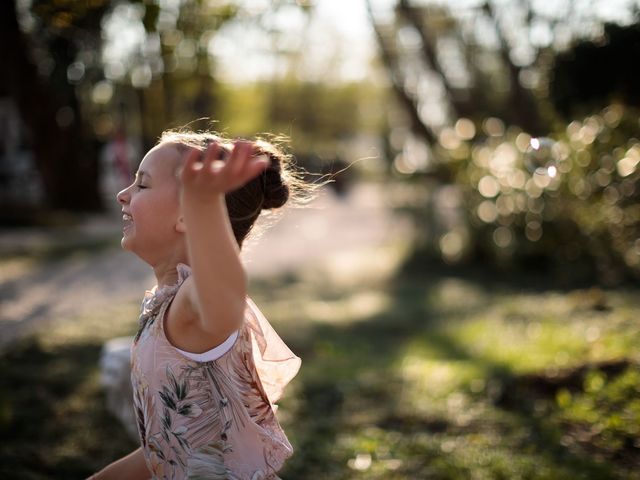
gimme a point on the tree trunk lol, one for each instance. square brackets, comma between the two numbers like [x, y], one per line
[395, 76]
[415, 17]
[69, 171]
[523, 108]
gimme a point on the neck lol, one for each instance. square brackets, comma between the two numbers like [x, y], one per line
[166, 273]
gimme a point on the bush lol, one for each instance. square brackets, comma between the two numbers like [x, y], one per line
[570, 200]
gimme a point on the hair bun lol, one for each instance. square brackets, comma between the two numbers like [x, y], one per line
[275, 190]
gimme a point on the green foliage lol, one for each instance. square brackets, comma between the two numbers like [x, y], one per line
[573, 201]
[316, 116]
[605, 412]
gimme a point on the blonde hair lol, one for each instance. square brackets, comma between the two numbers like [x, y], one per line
[279, 184]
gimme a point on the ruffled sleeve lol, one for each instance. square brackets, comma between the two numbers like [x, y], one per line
[275, 363]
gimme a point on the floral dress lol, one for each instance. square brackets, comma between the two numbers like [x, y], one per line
[210, 419]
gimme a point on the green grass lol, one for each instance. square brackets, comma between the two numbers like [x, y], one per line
[53, 419]
[443, 375]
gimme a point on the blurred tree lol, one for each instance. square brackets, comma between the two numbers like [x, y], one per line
[320, 114]
[181, 84]
[477, 63]
[474, 81]
[161, 73]
[73, 96]
[40, 70]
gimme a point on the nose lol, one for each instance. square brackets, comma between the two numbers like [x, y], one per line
[123, 196]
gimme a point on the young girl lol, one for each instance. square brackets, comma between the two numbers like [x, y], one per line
[206, 365]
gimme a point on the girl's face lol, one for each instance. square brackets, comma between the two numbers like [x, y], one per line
[150, 207]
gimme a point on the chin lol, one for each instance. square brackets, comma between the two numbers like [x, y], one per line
[129, 246]
[125, 243]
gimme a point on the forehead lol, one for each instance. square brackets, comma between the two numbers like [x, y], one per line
[161, 160]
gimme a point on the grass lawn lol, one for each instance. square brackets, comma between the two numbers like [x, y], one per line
[442, 374]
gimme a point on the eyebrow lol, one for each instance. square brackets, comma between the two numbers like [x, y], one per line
[141, 173]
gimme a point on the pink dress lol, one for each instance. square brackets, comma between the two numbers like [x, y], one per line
[211, 419]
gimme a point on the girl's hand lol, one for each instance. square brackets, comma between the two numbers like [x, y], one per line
[204, 177]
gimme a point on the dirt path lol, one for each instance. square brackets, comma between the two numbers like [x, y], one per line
[32, 294]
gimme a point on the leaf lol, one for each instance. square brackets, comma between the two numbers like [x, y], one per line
[180, 430]
[190, 410]
[182, 441]
[182, 390]
[167, 398]
[175, 387]
[166, 420]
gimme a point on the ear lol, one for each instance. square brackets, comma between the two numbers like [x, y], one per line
[180, 225]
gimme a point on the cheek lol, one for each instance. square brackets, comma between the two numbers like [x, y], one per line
[154, 212]
[168, 208]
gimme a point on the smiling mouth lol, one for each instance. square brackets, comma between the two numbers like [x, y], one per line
[127, 222]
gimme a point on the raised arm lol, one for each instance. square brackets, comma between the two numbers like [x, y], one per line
[218, 285]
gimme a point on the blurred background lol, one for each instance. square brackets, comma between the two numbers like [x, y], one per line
[463, 294]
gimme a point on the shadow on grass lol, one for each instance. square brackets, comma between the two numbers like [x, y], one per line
[53, 422]
[350, 392]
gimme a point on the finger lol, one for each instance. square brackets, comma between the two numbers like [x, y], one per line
[211, 155]
[239, 157]
[255, 167]
[192, 163]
